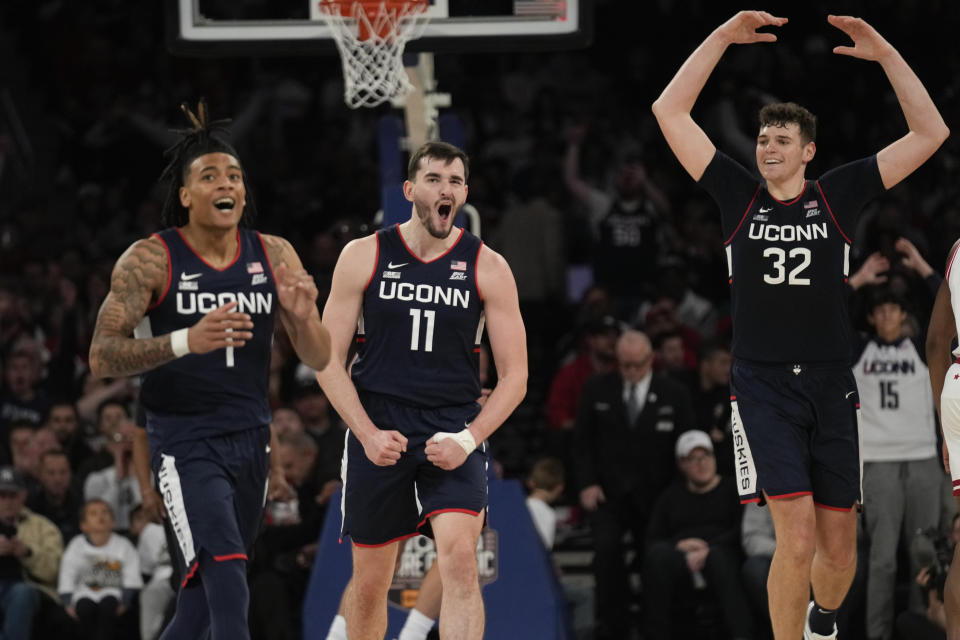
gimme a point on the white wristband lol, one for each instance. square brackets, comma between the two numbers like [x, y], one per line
[463, 438]
[179, 342]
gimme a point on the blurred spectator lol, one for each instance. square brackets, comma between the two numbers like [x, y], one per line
[661, 324]
[157, 593]
[22, 399]
[711, 401]
[692, 310]
[545, 484]
[14, 319]
[898, 446]
[116, 485]
[530, 238]
[286, 421]
[56, 498]
[111, 416]
[627, 225]
[30, 550]
[62, 420]
[323, 425]
[598, 356]
[101, 392]
[759, 542]
[931, 623]
[671, 356]
[19, 436]
[40, 443]
[285, 549]
[99, 574]
[694, 538]
[625, 431]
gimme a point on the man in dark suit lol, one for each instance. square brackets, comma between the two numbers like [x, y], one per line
[626, 429]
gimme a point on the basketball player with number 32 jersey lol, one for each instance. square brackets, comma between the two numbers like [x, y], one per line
[793, 395]
[416, 298]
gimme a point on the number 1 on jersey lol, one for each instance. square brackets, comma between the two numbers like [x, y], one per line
[415, 335]
[229, 350]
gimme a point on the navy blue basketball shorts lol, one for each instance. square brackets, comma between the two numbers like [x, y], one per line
[796, 431]
[214, 491]
[382, 505]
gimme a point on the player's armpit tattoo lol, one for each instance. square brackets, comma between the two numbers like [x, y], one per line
[138, 276]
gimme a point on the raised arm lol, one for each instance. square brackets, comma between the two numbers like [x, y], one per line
[571, 166]
[340, 315]
[297, 293]
[927, 128]
[672, 109]
[140, 277]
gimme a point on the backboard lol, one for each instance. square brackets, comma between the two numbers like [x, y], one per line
[259, 27]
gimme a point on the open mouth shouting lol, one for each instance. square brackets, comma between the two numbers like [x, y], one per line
[445, 210]
[225, 204]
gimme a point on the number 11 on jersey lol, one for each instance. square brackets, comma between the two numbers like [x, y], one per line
[415, 334]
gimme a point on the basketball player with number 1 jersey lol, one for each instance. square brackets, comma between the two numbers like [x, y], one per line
[416, 298]
[192, 308]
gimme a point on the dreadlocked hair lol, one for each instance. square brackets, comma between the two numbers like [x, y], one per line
[203, 137]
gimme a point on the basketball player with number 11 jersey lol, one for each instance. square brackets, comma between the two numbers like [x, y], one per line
[416, 298]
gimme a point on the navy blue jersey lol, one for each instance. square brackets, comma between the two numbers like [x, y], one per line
[626, 252]
[419, 333]
[201, 395]
[789, 261]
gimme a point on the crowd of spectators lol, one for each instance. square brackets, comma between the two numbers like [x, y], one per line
[567, 167]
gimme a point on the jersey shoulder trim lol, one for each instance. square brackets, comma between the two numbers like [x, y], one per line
[266, 254]
[953, 255]
[376, 258]
[476, 271]
[830, 211]
[744, 216]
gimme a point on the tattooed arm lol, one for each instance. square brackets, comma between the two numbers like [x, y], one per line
[138, 278]
[298, 304]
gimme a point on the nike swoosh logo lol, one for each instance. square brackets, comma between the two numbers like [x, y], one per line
[849, 394]
[192, 276]
[765, 209]
[390, 265]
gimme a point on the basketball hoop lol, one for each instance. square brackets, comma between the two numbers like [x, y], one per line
[371, 36]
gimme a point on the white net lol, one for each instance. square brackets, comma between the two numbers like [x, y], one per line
[371, 37]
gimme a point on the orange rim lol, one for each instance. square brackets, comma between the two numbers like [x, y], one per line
[346, 8]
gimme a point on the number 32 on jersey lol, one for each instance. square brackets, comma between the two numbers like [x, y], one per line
[796, 259]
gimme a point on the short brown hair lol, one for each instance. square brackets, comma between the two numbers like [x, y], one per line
[780, 114]
[440, 150]
[546, 474]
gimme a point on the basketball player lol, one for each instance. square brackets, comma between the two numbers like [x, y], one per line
[202, 296]
[794, 399]
[417, 296]
[945, 380]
